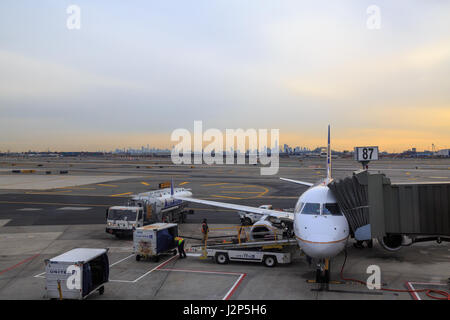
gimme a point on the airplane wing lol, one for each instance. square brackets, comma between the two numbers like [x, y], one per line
[238, 207]
[298, 182]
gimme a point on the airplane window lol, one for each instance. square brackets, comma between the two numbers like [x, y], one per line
[331, 208]
[311, 208]
[298, 207]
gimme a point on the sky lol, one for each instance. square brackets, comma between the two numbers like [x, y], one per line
[137, 70]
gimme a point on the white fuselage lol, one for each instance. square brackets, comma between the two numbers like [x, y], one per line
[319, 233]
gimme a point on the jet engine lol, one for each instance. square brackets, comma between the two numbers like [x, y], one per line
[391, 242]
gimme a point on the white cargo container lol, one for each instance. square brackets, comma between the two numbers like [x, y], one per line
[77, 273]
[153, 240]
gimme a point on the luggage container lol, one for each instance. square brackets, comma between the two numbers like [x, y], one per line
[154, 240]
[77, 273]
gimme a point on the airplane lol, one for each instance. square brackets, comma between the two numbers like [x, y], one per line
[320, 228]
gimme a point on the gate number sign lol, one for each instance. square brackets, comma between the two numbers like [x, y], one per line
[366, 153]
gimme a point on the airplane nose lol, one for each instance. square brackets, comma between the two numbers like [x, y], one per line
[322, 237]
[325, 248]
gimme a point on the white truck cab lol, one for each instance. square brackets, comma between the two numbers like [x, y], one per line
[123, 220]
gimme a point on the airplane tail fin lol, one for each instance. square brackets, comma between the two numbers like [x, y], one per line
[329, 157]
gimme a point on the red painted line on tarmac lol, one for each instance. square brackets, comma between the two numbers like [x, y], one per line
[235, 286]
[18, 264]
[164, 263]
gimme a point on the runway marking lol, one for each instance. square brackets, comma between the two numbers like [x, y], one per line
[145, 274]
[155, 268]
[232, 289]
[107, 185]
[77, 188]
[20, 263]
[416, 295]
[213, 184]
[235, 198]
[241, 192]
[74, 208]
[4, 222]
[145, 183]
[183, 183]
[56, 203]
[29, 209]
[117, 262]
[438, 177]
[266, 190]
[120, 194]
[49, 192]
[242, 186]
[259, 193]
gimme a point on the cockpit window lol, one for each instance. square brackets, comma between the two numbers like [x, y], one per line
[298, 207]
[331, 208]
[311, 208]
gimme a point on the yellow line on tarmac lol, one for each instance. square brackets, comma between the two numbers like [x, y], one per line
[243, 186]
[213, 184]
[235, 198]
[183, 183]
[145, 183]
[241, 192]
[107, 185]
[120, 194]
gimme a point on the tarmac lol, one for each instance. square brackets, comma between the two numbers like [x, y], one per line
[43, 215]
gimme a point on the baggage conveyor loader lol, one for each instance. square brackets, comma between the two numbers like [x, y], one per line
[269, 250]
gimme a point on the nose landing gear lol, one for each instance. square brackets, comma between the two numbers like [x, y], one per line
[323, 275]
[323, 271]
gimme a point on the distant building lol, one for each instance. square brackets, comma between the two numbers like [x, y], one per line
[443, 153]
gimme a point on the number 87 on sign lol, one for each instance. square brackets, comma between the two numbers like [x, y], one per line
[365, 154]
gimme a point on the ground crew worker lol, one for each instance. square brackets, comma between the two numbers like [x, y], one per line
[180, 244]
[205, 230]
